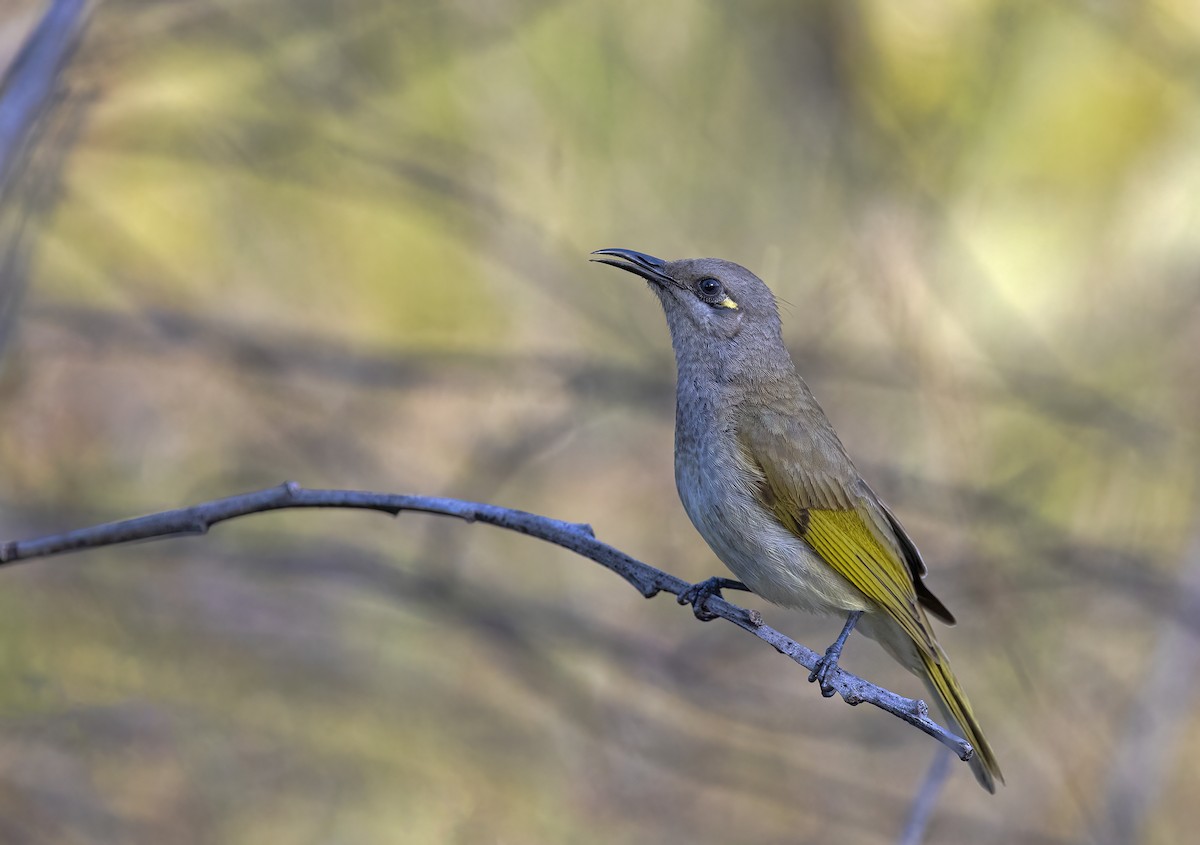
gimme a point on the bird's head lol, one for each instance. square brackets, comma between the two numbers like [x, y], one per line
[722, 316]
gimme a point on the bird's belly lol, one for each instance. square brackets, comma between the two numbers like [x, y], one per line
[769, 559]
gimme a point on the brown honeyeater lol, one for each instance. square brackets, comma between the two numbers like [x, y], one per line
[769, 486]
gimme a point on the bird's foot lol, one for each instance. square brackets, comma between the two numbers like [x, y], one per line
[827, 666]
[698, 594]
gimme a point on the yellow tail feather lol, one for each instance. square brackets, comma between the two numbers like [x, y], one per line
[952, 701]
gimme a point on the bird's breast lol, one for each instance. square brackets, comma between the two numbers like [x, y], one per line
[720, 490]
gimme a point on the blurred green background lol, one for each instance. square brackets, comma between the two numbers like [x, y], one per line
[345, 243]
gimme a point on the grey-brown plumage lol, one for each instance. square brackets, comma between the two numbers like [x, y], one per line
[769, 486]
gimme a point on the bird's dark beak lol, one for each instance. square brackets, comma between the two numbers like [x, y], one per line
[638, 263]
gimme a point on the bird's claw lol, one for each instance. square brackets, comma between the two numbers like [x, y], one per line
[699, 593]
[826, 668]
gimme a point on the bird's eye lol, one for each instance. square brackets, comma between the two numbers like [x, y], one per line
[710, 289]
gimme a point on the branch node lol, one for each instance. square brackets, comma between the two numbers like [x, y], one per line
[921, 708]
[755, 618]
[290, 488]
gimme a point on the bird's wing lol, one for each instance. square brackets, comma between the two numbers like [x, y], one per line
[814, 491]
[912, 557]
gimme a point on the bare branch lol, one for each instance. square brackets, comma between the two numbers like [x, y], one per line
[579, 538]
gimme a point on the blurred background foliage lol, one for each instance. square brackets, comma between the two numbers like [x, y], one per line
[345, 243]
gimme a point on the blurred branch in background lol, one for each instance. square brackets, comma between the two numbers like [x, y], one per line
[925, 799]
[29, 82]
[274, 352]
[1167, 695]
[648, 580]
[28, 91]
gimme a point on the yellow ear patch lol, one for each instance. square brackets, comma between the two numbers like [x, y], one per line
[728, 303]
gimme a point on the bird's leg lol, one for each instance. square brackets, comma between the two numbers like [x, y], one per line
[828, 664]
[698, 594]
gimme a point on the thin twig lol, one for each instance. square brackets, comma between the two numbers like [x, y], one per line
[579, 538]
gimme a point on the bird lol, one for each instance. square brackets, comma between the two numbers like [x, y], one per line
[769, 486]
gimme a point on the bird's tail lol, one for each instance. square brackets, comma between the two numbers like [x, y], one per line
[952, 701]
